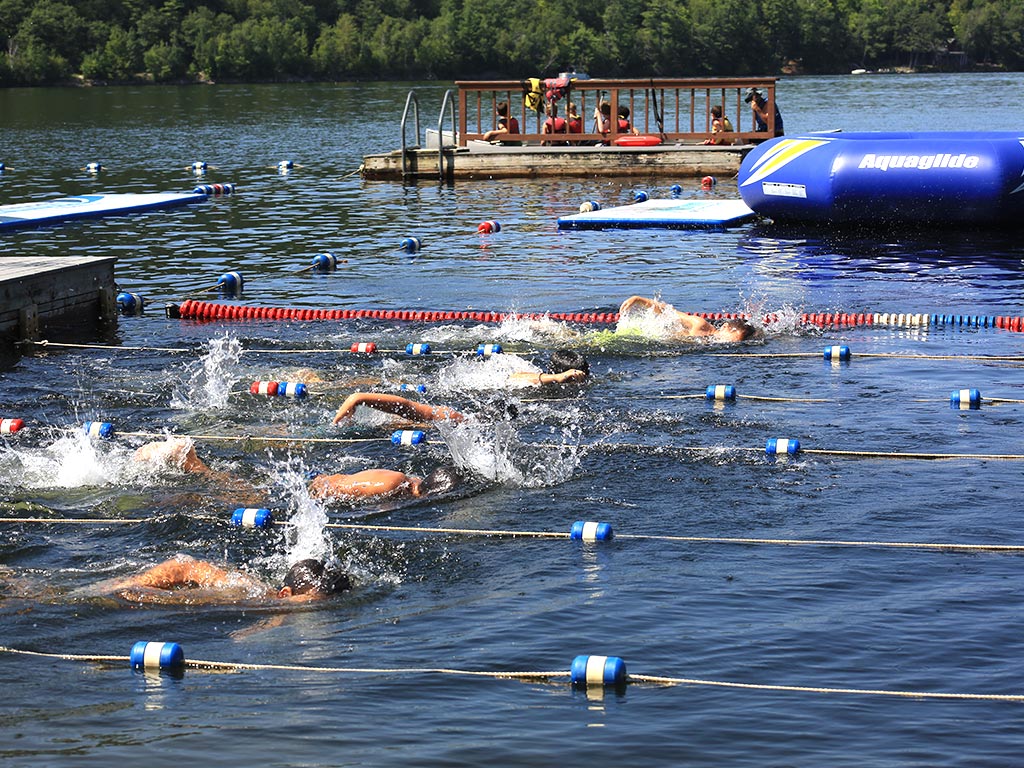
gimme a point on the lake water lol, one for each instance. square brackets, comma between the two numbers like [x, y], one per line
[618, 450]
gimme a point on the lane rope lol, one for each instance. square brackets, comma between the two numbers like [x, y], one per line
[514, 534]
[200, 310]
[537, 676]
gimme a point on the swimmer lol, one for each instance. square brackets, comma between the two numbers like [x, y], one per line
[376, 483]
[368, 483]
[175, 452]
[397, 406]
[684, 325]
[566, 365]
[183, 579]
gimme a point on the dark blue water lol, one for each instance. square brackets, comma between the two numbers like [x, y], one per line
[617, 450]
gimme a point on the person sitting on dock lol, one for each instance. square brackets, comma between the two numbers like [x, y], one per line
[554, 124]
[575, 121]
[759, 106]
[623, 123]
[185, 580]
[719, 125]
[507, 126]
[638, 308]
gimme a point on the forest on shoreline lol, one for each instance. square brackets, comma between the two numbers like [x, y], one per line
[53, 41]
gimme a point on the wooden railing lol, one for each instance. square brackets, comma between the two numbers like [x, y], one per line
[676, 109]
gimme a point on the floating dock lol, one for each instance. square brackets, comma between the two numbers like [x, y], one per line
[661, 131]
[43, 212]
[481, 160]
[44, 294]
[662, 214]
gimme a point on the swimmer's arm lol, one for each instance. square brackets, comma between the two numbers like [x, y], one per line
[539, 379]
[175, 573]
[694, 325]
[395, 405]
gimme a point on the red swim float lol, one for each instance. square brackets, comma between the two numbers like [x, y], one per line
[637, 141]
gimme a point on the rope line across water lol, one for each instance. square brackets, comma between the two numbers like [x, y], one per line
[506, 533]
[539, 676]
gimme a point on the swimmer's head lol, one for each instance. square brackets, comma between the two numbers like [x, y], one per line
[441, 480]
[568, 360]
[735, 330]
[310, 577]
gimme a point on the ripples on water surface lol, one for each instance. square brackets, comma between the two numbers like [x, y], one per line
[827, 616]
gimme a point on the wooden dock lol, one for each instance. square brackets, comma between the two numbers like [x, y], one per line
[62, 296]
[480, 160]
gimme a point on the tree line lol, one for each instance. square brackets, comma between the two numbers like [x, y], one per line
[53, 41]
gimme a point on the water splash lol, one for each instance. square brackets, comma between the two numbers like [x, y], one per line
[72, 461]
[482, 373]
[495, 452]
[208, 380]
[306, 534]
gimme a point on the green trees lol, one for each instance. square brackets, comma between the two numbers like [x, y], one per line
[45, 41]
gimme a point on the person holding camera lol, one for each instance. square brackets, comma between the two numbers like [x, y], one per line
[759, 106]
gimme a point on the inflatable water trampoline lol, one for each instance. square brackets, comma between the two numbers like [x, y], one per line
[948, 178]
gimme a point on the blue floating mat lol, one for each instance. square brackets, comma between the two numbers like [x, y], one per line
[666, 214]
[64, 208]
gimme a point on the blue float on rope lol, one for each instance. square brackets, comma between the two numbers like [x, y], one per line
[411, 245]
[591, 531]
[230, 282]
[417, 349]
[130, 303]
[166, 656]
[324, 262]
[214, 190]
[101, 429]
[965, 399]
[839, 352]
[293, 389]
[250, 517]
[408, 436]
[676, 189]
[777, 445]
[641, 197]
[598, 671]
[720, 392]
[486, 350]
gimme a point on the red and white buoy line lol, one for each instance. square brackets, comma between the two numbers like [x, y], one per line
[207, 310]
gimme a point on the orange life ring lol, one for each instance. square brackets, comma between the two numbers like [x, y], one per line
[637, 141]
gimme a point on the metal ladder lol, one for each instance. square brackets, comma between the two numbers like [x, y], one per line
[411, 101]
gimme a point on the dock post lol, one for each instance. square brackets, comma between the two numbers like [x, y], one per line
[28, 323]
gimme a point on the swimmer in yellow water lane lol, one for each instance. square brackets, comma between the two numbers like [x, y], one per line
[185, 580]
[684, 325]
